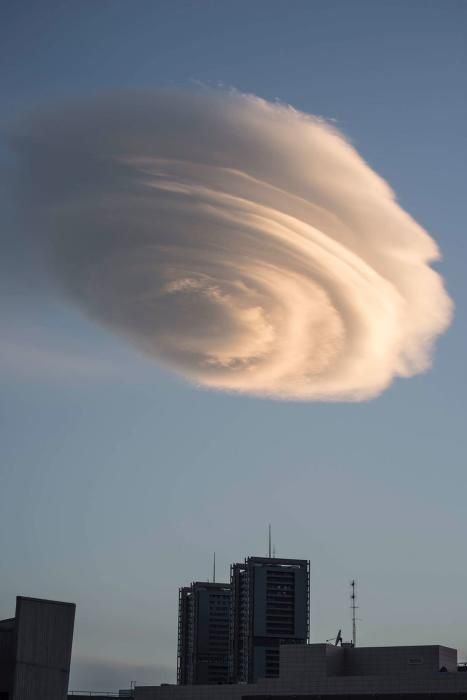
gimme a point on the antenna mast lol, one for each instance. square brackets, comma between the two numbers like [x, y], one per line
[214, 569]
[353, 598]
[269, 541]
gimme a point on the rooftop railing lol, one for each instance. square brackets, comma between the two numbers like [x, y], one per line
[100, 694]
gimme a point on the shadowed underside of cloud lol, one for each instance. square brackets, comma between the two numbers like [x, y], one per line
[241, 243]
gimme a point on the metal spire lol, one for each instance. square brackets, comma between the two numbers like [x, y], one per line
[214, 569]
[353, 598]
[269, 541]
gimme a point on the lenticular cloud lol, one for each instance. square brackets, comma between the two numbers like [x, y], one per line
[243, 244]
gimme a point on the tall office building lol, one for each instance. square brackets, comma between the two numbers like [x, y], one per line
[270, 606]
[203, 633]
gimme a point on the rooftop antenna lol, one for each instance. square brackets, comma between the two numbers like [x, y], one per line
[353, 598]
[337, 639]
[269, 541]
[214, 569]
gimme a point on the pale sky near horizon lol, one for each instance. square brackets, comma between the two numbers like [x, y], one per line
[117, 479]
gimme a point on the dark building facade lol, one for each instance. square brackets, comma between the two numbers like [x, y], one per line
[270, 607]
[35, 650]
[328, 672]
[203, 634]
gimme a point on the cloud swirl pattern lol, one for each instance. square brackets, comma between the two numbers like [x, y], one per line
[243, 244]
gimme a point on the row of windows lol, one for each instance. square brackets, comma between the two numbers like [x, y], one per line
[281, 612]
[280, 631]
[280, 596]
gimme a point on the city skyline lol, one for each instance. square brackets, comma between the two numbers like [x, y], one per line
[119, 478]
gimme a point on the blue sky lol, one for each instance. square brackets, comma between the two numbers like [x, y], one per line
[117, 480]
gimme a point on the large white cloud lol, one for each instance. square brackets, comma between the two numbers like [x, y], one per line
[241, 243]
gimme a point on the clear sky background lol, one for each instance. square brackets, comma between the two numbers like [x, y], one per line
[117, 480]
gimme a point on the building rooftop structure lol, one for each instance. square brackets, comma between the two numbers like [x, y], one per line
[316, 671]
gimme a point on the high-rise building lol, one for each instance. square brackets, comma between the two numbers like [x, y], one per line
[203, 633]
[270, 607]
